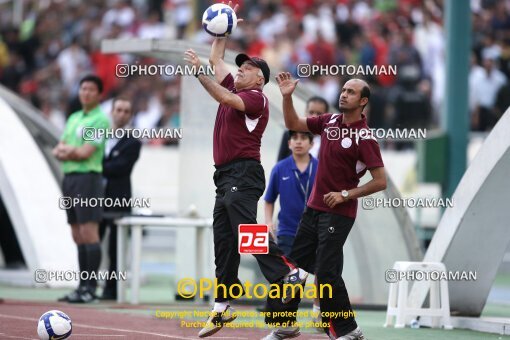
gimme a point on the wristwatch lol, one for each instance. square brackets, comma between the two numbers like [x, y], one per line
[345, 194]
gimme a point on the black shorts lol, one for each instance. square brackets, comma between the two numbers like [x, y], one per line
[84, 186]
[240, 174]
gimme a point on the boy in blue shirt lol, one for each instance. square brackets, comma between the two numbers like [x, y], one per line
[292, 179]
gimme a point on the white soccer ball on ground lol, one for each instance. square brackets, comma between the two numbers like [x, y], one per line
[54, 324]
[219, 20]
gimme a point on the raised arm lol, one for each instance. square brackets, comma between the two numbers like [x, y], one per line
[218, 92]
[216, 58]
[292, 120]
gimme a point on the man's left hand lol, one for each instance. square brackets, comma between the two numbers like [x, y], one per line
[192, 58]
[333, 198]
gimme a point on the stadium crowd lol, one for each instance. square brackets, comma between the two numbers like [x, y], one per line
[55, 43]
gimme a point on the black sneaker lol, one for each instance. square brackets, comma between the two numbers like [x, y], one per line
[216, 321]
[108, 294]
[297, 278]
[85, 295]
[108, 297]
[74, 295]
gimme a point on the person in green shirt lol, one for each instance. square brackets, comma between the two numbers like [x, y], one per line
[81, 151]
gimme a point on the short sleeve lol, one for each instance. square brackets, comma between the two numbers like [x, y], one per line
[254, 103]
[228, 82]
[370, 154]
[316, 124]
[272, 189]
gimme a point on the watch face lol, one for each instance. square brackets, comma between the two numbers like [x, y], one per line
[345, 193]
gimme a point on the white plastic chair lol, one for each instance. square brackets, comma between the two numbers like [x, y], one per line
[398, 296]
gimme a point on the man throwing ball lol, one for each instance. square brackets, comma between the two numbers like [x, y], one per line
[241, 119]
[345, 155]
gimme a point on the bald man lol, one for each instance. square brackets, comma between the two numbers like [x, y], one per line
[345, 156]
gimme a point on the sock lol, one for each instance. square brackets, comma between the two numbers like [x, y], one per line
[93, 260]
[82, 263]
[316, 311]
[220, 306]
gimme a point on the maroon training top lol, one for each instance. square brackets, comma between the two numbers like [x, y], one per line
[342, 161]
[237, 134]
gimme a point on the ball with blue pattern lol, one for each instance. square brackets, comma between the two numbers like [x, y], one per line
[54, 325]
[219, 20]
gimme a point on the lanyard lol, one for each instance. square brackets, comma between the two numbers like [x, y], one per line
[305, 191]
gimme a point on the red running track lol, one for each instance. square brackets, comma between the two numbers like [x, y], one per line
[18, 320]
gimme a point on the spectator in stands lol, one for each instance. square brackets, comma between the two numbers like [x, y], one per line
[152, 28]
[121, 14]
[182, 15]
[12, 71]
[73, 62]
[487, 82]
[406, 57]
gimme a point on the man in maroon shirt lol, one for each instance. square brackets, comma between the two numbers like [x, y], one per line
[345, 155]
[241, 119]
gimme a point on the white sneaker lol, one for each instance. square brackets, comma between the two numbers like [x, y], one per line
[216, 321]
[317, 319]
[283, 333]
[356, 334]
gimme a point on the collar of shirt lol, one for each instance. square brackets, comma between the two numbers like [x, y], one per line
[110, 144]
[294, 165]
[92, 111]
[357, 124]
[244, 90]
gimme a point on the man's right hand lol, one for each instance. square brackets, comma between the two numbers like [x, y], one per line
[286, 83]
[57, 151]
[235, 8]
[272, 229]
